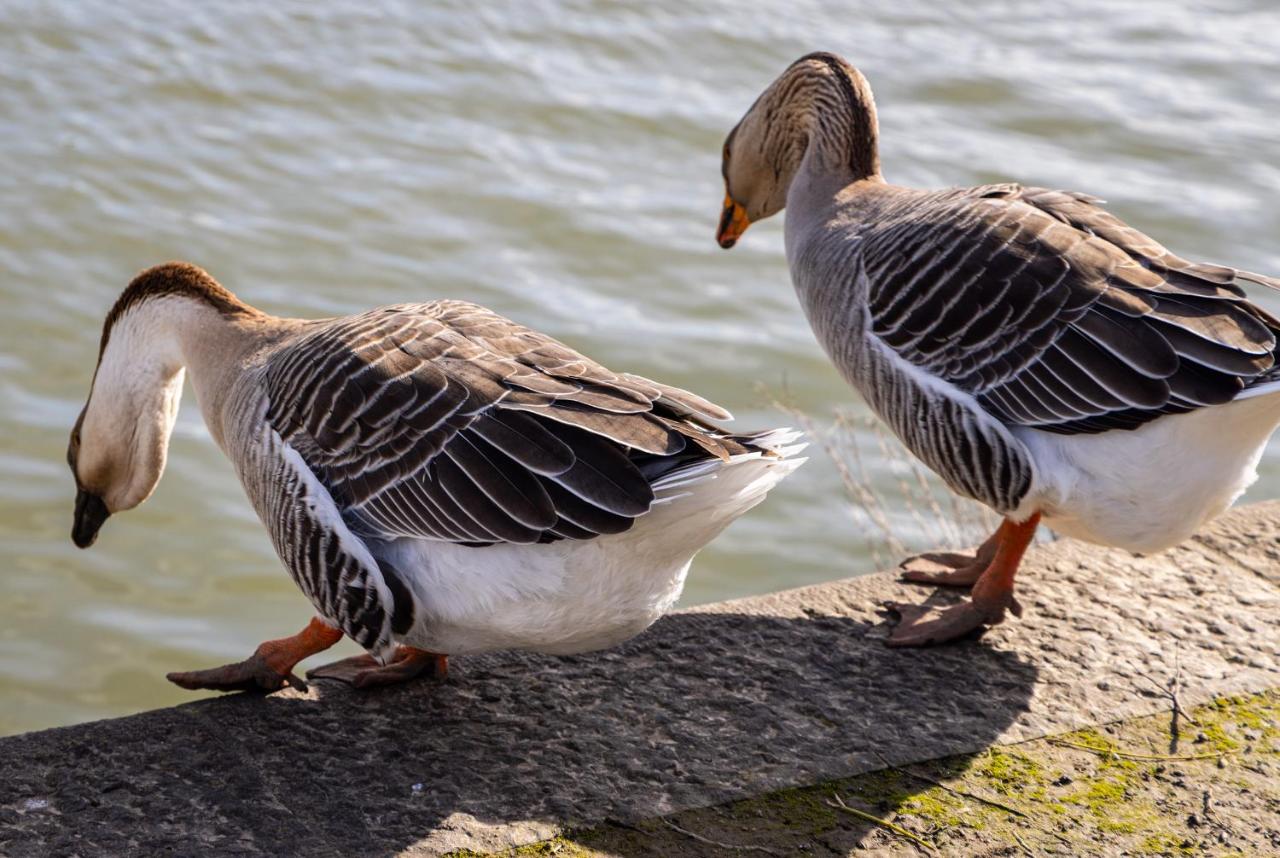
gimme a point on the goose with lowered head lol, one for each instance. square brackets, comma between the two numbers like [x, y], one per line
[1039, 354]
[436, 478]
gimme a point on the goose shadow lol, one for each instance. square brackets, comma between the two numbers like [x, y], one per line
[701, 709]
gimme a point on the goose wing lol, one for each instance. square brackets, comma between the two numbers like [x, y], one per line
[1053, 313]
[447, 421]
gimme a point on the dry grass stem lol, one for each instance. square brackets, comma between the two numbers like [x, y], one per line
[899, 505]
[718, 844]
[839, 804]
[973, 796]
[1129, 755]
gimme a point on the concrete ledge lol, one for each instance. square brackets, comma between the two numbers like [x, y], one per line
[1205, 781]
[721, 703]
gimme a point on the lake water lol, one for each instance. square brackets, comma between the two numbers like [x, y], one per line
[560, 164]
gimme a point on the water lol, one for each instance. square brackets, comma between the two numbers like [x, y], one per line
[557, 162]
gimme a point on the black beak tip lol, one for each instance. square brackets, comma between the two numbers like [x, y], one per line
[727, 243]
[90, 514]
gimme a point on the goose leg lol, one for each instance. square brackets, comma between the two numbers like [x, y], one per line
[364, 671]
[951, 569]
[269, 668]
[992, 594]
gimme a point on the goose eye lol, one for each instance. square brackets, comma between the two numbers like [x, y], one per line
[73, 449]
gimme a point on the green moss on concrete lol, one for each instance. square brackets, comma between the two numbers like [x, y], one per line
[894, 792]
[1007, 771]
[1164, 844]
[1075, 801]
[1216, 737]
[1100, 796]
[939, 809]
[1110, 799]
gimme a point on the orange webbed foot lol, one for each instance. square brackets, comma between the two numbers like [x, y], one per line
[252, 674]
[364, 671]
[922, 625]
[990, 572]
[270, 668]
[953, 569]
[943, 569]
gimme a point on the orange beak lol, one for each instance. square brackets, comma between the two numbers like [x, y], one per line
[733, 223]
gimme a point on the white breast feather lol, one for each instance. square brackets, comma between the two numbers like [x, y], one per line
[578, 595]
[1150, 488]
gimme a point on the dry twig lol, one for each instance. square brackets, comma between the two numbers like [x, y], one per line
[1023, 844]
[1170, 690]
[921, 777]
[1129, 755]
[839, 804]
[708, 841]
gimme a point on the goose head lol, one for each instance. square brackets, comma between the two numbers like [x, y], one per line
[119, 445]
[120, 442]
[818, 115]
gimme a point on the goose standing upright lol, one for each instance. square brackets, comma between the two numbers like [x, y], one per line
[1040, 355]
[436, 478]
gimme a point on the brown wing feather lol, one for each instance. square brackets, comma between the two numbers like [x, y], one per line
[1054, 313]
[447, 421]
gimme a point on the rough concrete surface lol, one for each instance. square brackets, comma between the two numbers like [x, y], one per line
[1203, 782]
[719, 703]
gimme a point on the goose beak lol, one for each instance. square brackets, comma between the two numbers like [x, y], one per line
[733, 223]
[90, 514]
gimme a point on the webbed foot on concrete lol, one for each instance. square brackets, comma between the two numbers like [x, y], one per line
[364, 671]
[990, 572]
[943, 569]
[921, 625]
[950, 568]
[270, 668]
[252, 674]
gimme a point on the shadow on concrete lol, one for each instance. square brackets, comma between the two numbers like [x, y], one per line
[701, 709]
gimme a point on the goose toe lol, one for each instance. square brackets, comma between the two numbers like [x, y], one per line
[922, 625]
[943, 569]
[364, 671]
[252, 674]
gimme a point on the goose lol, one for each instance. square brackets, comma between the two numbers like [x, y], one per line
[436, 478]
[1040, 355]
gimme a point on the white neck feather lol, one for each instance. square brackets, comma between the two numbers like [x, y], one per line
[135, 396]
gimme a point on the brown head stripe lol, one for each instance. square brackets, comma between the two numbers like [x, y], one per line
[172, 278]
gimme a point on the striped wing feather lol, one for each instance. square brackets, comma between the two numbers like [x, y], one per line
[446, 421]
[1053, 313]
